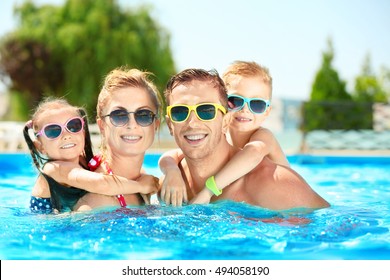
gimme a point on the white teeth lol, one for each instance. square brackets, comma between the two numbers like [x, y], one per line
[243, 119]
[67, 146]
[131, 137]
[195, 137]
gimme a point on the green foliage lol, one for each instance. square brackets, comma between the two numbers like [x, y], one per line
[328, 115]
[19, 107]
[79, 43]
[327, 84]
[367, 86]
[330, 105]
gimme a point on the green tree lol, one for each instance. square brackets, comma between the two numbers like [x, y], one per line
[330, 105]
[327, 85]
[384, 79]
[67, 50]
[368, 87]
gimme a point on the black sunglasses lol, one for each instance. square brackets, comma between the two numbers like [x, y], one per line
[120, 117]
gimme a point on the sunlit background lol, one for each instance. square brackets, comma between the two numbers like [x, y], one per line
[291, 38]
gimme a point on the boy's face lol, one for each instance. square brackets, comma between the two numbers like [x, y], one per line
[249, 87]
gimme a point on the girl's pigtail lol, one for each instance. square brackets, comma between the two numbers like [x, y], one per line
[88, 151]
[33, 150]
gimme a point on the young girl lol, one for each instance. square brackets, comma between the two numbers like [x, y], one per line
[249, 87]
[127, 116]
[60, 146]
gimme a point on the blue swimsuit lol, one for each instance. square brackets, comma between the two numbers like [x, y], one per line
[62, 198]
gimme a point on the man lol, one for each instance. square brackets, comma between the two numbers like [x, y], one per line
[197, 105]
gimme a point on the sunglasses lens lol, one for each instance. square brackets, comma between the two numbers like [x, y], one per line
[258, 106]
[179, 113]
[74, 125]
[119, 117]
[235, 102]
[144, 117]
[206, 112]
[53, 131]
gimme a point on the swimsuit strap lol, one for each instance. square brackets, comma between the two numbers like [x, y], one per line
[94, 163]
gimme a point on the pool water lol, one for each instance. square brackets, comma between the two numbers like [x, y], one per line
[356, 226]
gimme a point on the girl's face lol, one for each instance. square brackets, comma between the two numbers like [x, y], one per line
[129, 137]
[249, 87]
[68, 146]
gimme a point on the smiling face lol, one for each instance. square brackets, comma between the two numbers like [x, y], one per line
[195, 137]
[130, 139]
[68, 146]
[249, 87]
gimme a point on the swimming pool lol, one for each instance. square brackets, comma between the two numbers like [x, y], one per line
[355, 227]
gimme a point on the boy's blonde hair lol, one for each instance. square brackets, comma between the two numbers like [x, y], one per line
[247, 69]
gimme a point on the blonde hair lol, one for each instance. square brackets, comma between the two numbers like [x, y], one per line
[122, 77]
[247, 69]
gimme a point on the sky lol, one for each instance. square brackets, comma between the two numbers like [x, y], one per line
[288, 37]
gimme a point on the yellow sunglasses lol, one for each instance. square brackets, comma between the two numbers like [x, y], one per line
[204, 111]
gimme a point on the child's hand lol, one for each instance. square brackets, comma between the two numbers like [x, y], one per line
[173, 190]
[146, 198]
[149, 184]
[203, 197]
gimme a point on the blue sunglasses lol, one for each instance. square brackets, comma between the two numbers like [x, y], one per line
[255, 105]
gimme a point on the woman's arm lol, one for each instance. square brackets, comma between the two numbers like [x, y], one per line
[173, 189]
[74, 175]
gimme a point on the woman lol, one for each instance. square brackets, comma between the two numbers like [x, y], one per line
[127, 116]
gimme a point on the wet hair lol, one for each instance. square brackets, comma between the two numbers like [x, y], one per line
[54, 103]
[123, 77]
[185, 77]
[247, 69]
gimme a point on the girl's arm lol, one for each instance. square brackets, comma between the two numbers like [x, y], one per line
[261, 144]
[40, 201]
[173, 189]
[41, 188]
[74, 175]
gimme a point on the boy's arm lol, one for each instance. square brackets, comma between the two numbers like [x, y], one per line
[276, 153]
[173, 189]
[262, 143]
[240, 164]
[73, 175]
